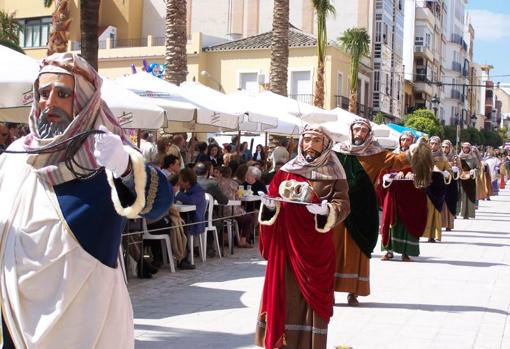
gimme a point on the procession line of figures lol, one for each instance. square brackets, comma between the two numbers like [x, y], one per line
[70, 185]
[419, 189]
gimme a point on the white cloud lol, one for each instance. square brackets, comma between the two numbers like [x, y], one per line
[490, 26]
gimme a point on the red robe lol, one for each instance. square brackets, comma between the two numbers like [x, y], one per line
[403, 200]
[310, 254]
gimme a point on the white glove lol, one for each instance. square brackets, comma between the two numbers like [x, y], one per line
[472, 173]
[266, 201]
[322, 209]
[388, 177]
[110, 153]
[409, 176]
[455, 169]
[446, 174]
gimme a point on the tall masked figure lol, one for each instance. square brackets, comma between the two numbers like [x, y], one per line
[470, 165]
[436, 192]
[66, 196]
[452, 189]
[309, 198]
[363, 159]
[404, 142]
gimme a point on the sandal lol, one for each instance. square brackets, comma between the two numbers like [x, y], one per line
[387, 256]
[352, 300]
[405, 258]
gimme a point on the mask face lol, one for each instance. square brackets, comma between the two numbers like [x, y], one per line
[446, 149]
[434, 145]
[312, 146]
[405, 142]
[359, 134]
[56, 96]
[295, 191]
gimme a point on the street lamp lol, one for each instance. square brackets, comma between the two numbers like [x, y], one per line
[435, 104]
[207, 75]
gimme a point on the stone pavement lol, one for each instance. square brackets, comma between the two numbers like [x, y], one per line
[455, 295]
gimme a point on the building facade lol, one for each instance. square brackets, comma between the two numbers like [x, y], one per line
[423, 60]
[456, 64]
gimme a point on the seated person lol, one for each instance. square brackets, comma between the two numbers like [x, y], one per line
[246, 222]
[210, 186]
[178, 238]
[191, 193]
[252, 179]
[171, 166]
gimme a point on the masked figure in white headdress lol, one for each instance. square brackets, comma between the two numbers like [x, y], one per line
[65, 201]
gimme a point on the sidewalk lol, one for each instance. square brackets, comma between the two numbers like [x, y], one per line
[455, 295]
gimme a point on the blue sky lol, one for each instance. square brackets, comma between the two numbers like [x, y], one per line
[491, 21]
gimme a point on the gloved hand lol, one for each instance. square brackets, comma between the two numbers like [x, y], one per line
[409, 176]
[110, 153]
[266, 201]
[399, 175]
[321, 209]
[455, 169]
[446, 174]
[472, 173]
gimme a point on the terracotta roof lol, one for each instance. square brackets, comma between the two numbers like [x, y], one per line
[297, 38]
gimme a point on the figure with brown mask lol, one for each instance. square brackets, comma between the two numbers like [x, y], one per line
[307, 198]
[363, 159]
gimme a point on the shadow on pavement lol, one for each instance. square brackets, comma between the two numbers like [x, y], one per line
[161, 337]
[475, 236]
[430, 307]
[458, 263]
[486, 244]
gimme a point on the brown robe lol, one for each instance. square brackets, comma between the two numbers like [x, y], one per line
[353, 266]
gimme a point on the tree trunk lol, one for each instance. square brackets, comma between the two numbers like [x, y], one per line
[176, 39]
[318, 99]
[89, 29]
[353, 102]
[279, 48]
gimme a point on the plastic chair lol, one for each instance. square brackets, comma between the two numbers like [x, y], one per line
[166, 244]
[209, 227]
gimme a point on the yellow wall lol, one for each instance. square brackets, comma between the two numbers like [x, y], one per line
[125, 15]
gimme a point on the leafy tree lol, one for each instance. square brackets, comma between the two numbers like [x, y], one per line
[450, 133]
[379, 118]
[11, 45]
[425, 121]
[356, 42]
[9, 28]
[492, 138]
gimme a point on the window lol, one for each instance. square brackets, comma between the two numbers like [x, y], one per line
[378, 31]
[418, 41]
[300, 83]
[339, 83]
[427, 40]
[377, 76]
[35, 32]
[249, 82]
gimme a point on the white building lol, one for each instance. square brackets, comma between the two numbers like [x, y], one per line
[453, 99]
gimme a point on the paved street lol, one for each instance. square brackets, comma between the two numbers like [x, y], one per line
[455, 295]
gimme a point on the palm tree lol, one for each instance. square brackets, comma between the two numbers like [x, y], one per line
[89, 26]
[356, 42]
[279, 48]
[323, 8]
[60, 22]
[9, 30]
[175, 41]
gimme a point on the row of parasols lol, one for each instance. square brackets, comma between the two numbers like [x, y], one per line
[143, 101]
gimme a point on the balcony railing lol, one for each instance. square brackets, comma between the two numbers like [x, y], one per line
[304, 98]
[363, 110]
[123, 43]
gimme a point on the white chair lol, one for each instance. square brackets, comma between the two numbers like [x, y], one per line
[165, 242]
[209, 227]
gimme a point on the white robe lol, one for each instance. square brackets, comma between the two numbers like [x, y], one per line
[53, 293]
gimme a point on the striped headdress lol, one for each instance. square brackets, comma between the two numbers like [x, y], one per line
[89, 110]
[325, 167]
